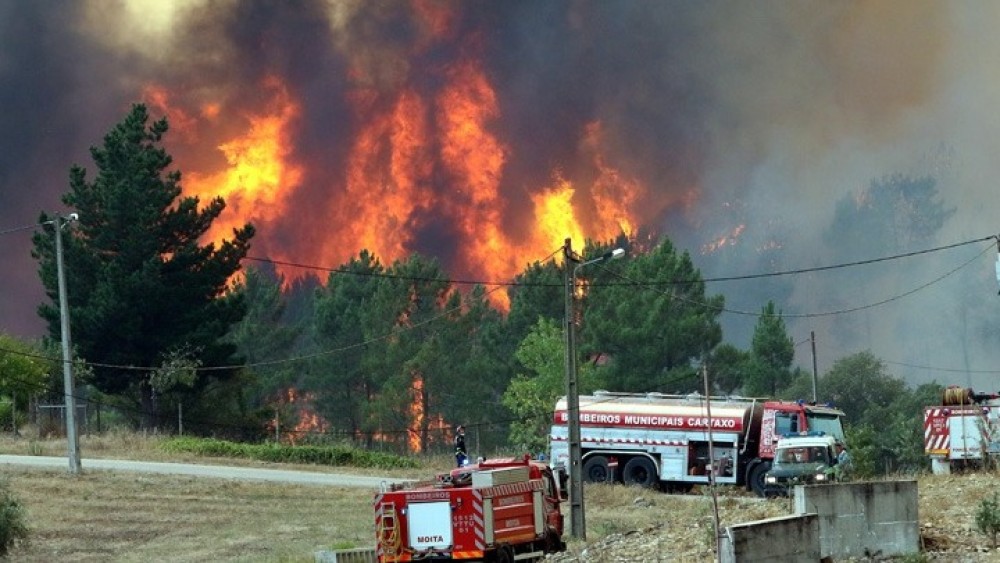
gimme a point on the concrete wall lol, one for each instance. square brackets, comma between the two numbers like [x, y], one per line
[863, 519]
[789, 539]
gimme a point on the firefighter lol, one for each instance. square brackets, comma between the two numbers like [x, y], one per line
[844, 465]
[461, 455]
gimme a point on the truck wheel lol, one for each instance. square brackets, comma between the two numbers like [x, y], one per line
[553, 543]
[504, 554]
[756, 479]
[596, 470]
[640, 471]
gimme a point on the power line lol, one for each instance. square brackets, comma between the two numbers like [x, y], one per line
[824, 313]
[994, 238]
[389, 275]
[947, 370]
[19, 229]
[270, 363]
[797, 271]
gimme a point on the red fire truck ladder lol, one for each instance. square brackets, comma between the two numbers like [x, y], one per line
[389, 543]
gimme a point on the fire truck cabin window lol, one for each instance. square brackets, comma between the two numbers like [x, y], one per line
[785, 423]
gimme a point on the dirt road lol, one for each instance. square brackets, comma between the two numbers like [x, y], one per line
[214, 471]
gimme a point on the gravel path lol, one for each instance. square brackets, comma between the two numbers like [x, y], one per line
[213, 471]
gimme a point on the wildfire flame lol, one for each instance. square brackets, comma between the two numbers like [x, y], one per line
[728, 239]
[420, 160]
[415, 160]
[258, 179]
[308, 420]
[435, 423]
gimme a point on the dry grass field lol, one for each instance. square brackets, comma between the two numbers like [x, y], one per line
[112, 516]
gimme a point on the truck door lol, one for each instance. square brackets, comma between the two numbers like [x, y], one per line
[553, 517]
[774, 425]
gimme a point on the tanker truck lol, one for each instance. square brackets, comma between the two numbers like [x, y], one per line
[658, 440]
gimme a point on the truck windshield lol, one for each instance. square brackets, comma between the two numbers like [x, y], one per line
[829, 424]
[794, 455]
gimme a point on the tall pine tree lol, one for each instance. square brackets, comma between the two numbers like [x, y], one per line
[141, 287]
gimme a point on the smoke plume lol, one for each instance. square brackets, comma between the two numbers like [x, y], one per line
[484, 133]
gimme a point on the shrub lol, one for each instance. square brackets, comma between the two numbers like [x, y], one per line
[13, 519]
[988, 518]
[279, 453]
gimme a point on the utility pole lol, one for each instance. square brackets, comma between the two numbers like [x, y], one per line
[713, 464]
[812, 336]
[71, 436]
[578, 528]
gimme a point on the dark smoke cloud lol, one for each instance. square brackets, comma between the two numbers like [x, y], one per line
[56, 100]
[765, 114]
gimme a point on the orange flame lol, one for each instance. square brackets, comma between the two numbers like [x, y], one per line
[416, 415]
[615, 195]
[309, 421]
[554, 217]
[418, 156]
[728, 239]
[419, 419]
[259, 176]
[476, 158]
[376, 210]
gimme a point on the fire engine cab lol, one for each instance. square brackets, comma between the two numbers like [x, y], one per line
[497, 511]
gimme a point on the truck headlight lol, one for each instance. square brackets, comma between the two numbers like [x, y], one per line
[821, 477]
[771, 479]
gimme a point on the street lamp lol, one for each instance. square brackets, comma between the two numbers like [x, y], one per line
[578, 527]
[71, 435]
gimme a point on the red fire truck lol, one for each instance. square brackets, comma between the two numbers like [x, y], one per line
[499, 511]
[662, 440]
[963, 431]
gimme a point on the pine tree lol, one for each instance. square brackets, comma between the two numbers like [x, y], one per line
[141, 287]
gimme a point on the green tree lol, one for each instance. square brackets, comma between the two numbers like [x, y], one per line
[728, 366]
[884, 417]
[475, 369]
[860, 384]
[140, 285]
[264, 337]
[771, 354]
[538, 292]
[343, 374]
[865, 450]
[531, 395]
[406, 310]
[23, 372]
[652, 334]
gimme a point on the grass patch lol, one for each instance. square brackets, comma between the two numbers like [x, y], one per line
[103, 516]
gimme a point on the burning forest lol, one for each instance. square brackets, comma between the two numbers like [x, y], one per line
[486, 133]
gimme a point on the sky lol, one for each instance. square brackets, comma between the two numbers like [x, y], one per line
[485, 133]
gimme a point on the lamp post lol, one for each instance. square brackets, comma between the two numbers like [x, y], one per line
[71, 435]
[578, 527]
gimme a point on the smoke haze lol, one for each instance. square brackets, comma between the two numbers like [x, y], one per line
[484, 133]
